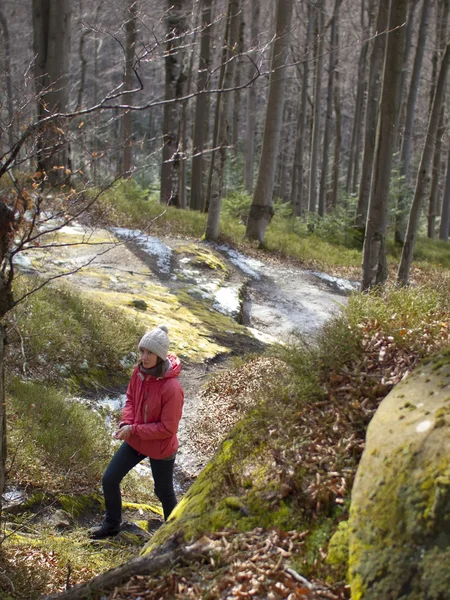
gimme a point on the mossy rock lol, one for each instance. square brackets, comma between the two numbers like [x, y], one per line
[399, 534]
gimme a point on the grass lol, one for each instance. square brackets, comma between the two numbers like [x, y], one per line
[54, 441]
[58, 334]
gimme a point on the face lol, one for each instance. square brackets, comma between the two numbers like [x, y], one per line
[147, 358]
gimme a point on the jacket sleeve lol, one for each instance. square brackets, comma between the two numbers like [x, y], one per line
[172, 406]
[128, 409]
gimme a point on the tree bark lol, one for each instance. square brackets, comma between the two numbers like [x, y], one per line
[433, 202]
[373, 95]
[201, 107]
[315, 144]
[51, 40]
[261, 210]
[297, 188]
[6, 67]
[329, 111]
[217, 170]
[338, 126]
[423, 172]
[249, 157]
[126, 163]
[405, 155]
[445, 215]
[374, 253]
[175, 80]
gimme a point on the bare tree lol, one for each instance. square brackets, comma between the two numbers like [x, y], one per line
[329, 110]
[249, 156]
[51, 37]
[261, 210]
[315, 137]
[201, 107]
[423, 174]
[374, 254]
[175, 80]
[405, 156]
[222, 124]
[445, 215]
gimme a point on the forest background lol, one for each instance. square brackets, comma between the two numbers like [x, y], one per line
[330, 114]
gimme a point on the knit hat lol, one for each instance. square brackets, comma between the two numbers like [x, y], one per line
[156, 341]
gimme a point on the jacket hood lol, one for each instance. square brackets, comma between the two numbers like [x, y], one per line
[175, 366]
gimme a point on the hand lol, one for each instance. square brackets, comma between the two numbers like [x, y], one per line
[124, 433]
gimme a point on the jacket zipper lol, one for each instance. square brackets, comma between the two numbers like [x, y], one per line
[146, 408]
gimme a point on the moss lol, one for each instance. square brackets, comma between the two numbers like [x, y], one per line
[338, 551]
[204, 257]
[77, 505]
[143, 507]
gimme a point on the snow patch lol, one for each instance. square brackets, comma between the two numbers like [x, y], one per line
[249, 266]
[227, 302]
[149, 244]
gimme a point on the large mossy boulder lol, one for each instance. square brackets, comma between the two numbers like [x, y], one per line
[400, 510]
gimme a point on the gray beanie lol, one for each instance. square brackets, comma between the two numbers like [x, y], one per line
[156, 341]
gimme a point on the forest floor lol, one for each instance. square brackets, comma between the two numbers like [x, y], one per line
[255, 301]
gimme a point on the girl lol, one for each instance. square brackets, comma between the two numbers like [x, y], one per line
[148, 428]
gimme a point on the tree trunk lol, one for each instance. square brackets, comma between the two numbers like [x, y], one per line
[405, 156]
[6, 68]
[175, 80]
[217, 169]
[338, 125]
[249, 156]
[126, 163]
[329, 111]
[423, 172]
[237, 94]
[433, 203]
[357, 119]
[297, 189]
[373, 95]
[201, 107]
[374, 253]
[445, 215]
[3, 446]
[51, 40]
[315, 145]
[261, 210]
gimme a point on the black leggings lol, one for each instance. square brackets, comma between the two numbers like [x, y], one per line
[125, 459]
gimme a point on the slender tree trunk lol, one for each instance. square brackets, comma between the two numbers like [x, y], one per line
[201, 107]
[315, 145]
[175, 80]
[374, 253]
[51, 40]
[261, 210]
[297, 189]
[6, 67]
[373, 95]
[217, 170]
[249, 156]
[433, 203]
[338, 125]
[405, 156]
[125, 163]
[445, 215]
[423, 172]
[329, 111]
[237, 83]
[357, 119]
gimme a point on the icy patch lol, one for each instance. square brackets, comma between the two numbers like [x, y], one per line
[149, 244]
[227, 302]
[21, 261]
[266, 338]
[112, 403]
[343, 285]
[74, 229]
[249, 266]
[13, 496]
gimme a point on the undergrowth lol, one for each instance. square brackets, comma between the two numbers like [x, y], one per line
[60, 335]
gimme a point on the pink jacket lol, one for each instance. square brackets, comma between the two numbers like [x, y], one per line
[153, 408]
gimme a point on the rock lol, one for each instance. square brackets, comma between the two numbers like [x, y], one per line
[61, 519]
[399, 530]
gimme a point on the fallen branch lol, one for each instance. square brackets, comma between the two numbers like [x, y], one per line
[150, 564]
